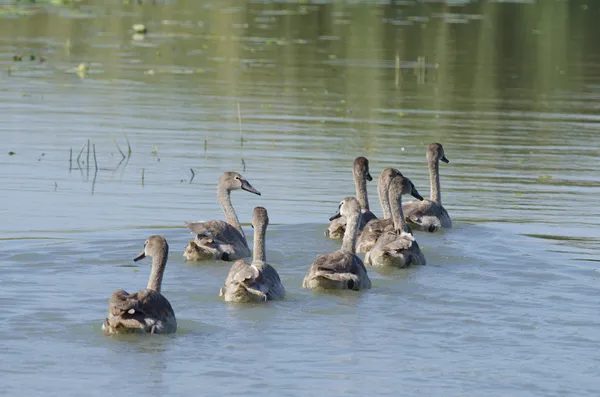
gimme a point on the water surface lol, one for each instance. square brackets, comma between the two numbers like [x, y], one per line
[508, 302]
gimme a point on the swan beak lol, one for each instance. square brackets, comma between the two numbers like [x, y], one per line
[141, 256]
[369, 177]
[416, 194]
[248, 187]
[444, 159]
[337, 215]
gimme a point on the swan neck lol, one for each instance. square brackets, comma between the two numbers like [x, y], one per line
[434, 181]
[397, 213]
[351, 233]
[259, 244]
[384, 200]
[224, 196]
[360, 182]
[159, 262]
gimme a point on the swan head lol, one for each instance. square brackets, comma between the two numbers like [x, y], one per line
[348, 207]
[385, 178]
[361, 168]
[435, 152]
[153, 246]
[401, 185]
[260, 218]
[235, 181]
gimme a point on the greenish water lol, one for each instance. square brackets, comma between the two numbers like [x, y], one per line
[508, 302]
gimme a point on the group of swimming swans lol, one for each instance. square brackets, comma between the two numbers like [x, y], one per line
[386, 241]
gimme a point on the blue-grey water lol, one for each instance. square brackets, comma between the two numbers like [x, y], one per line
[508, 302]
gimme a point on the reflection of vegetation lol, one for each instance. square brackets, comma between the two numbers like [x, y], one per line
[9, 11]
[42, 2]
[344, 61]
[29, 7]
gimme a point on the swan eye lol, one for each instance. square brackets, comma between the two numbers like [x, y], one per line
[145, 242]
[237, 177]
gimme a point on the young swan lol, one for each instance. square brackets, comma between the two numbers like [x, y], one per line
[220, 239]
[360, 172]
[146, 311]
[430, 215]
[377, 227]
[397, 247]
[256, 282]
[341, 269]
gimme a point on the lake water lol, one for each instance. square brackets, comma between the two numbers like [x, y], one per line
[508, 302]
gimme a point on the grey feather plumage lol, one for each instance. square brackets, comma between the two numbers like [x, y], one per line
[146, 311]
[341, 269]
[217, 239]
[257, 281]
[430, 215]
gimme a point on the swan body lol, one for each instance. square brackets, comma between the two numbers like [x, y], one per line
[341, 269]
[397, 247]
[219, 239]
[257, 281]
[360, 174]
[377, 227]
[146, 311]
[430, 215]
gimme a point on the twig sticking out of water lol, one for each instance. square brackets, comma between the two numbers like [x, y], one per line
[205, 144]
[78, 157]
[193, 175]
[70, 159]
[88, 158]
[95, 161]
[123, 157]
[125, 161]
[243, 165]
[120, 162]
[94, 181]
[240, 124]
[95, 170]
[128, 144]
[118, 148]
[55, 185]
[143, 169]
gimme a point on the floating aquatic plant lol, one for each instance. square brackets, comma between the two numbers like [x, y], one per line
[140, 28]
